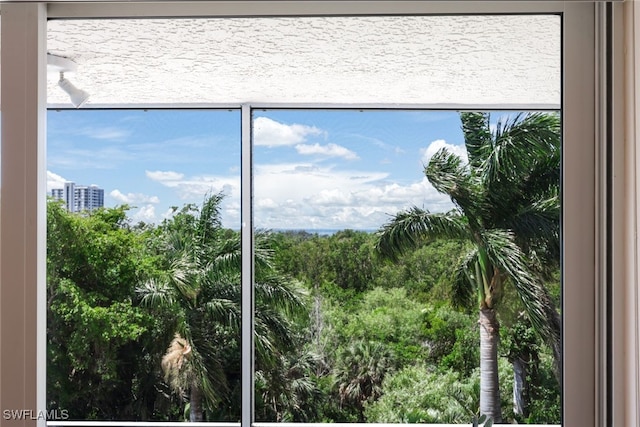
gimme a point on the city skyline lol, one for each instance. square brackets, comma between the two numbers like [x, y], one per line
[80, 197]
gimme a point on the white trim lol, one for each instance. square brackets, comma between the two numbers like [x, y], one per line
[321, 106]
[105, 9]
[23, 219]
[248, 308]
[23, 176]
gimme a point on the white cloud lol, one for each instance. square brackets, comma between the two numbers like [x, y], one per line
[330, 150]
[438, 144]
[54, 181]
[195, 188]
[163, 176]
[146, 214]
[89, 157]
[169, 213]
[105, 133]
[266, 203]
[333, 197]
[130, 198]
[231, 213]
[311, 196]
[270, 133]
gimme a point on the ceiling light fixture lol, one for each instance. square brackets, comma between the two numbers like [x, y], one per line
[61, 64]
[78, 96]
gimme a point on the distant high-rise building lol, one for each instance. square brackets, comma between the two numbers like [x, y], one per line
[79, 197]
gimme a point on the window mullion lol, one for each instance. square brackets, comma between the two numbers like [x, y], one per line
[246, 185]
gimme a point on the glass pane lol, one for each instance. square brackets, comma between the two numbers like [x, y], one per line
[143, 264]
[499, 60]
[419, 266]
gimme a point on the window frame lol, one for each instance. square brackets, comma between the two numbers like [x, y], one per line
[23, 222]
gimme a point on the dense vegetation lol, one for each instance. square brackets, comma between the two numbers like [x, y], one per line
[344, 335]
[506, 206]
[144, 321]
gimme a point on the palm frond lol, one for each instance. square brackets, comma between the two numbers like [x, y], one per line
[275, 292]
[209, 374]
[266, 349]
[539, 213]
[209, 221]
[506, 255]
[156, 293]
[539, 219]
[263, 252]
[518, 144]
[224, 312]
[222, 282]
[361, 371]
[463, 286]
[183, 274]
[477, 137]
[544, 174]
[227, 254]
[448, 175]
[536, 227]
[409, 229]
[176, 243]
[273, 329]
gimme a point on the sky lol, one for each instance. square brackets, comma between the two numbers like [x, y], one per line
[313, 169]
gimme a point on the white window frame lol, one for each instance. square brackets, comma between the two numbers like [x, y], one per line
[589, 369]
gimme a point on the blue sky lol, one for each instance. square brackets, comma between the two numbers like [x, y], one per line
[329, 169]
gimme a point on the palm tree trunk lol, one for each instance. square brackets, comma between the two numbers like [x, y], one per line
[519, 387]
[489, 386]
[556, 346]
[195, 403]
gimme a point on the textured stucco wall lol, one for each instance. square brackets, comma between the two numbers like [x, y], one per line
[492, 60]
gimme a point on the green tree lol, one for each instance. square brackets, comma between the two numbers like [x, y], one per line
[360, 370]
[507, 206]
[96, 334]
[536, 393]
[351, 260]
[201, 290]
[424, 272]
[289, 393]
[385, 316]
[451, 337]
[419, 394]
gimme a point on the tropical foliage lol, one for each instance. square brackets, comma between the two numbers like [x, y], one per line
[144, 320]
[507, 207]
[94, 329]
[200, 288]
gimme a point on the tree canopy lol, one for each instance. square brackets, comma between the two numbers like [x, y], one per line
[507, 207]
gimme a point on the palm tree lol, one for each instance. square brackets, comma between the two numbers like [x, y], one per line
[507, 206]
[201, 289]
[360, 370]
[289, 393]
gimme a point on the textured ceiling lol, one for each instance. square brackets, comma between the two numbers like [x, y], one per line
[470, 60]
